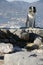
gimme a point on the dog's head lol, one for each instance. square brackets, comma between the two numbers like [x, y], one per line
[32, 9]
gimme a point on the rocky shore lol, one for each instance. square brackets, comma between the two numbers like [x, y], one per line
[24, 58]
[21, 47]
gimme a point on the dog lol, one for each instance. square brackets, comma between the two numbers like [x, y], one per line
[30, 22]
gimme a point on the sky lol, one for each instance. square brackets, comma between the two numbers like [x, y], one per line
[30, 1]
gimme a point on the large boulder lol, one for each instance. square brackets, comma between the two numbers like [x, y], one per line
[20, 58]
[6, 48]
[38, 41]
[22, 34]
[24, 58]
[25, 35]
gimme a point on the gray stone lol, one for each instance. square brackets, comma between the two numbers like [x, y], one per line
[25, 35]
[6, 48]
[38, 41]
[20, 58]
[41, 47]
[24, 58]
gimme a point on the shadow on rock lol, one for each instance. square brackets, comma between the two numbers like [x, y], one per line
[11, 38]
[8, 37]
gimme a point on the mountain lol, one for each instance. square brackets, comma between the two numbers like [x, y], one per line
[41, 1]
[16, 6]
[2, 0]
[15, 13]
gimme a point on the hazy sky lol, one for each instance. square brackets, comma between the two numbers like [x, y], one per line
[24, 0]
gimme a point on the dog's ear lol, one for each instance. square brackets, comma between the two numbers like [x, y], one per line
[34, 9]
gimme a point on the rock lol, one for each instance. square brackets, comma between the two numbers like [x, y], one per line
[16, 48]
[4, 40]
[6, 48]
[4, 30]
[20, 58]
[23, 58]
[35, 45]
[31, 46]
[41, 47]
[17, 32]
[38, 41]
[24, 35]
[40, 51]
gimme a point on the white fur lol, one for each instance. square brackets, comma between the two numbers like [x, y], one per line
[31, 20]
[30, 16]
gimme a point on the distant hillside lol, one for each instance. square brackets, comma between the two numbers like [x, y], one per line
[41, 1]
[13, 7]
[12, 11]
[16, 11]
